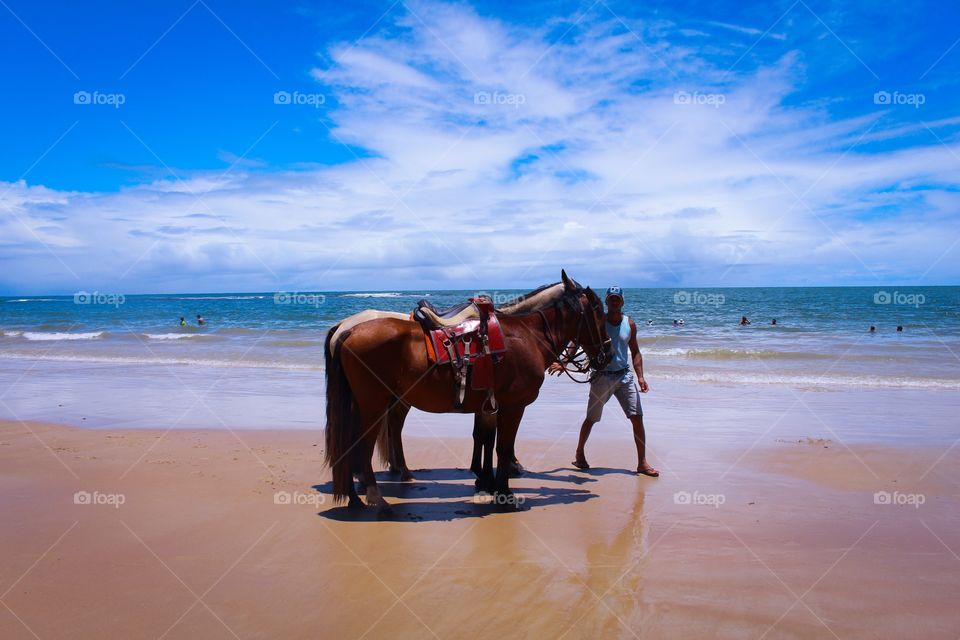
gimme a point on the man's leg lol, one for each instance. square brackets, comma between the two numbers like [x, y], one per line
[581, 459]
[640, 438]
[600, 390]
[629, 397]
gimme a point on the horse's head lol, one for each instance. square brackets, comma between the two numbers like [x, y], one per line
[591, 333]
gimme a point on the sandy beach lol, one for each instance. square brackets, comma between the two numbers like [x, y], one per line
[222, 534]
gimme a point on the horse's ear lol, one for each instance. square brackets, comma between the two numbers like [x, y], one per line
[568, 284]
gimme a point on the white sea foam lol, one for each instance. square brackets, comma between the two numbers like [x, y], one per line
[239, 362]
[712, 377]
[810, 380]
[730, 354]
[57, 335]
[218, 297]
[385, 294]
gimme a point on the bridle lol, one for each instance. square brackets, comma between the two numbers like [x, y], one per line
[576, 363]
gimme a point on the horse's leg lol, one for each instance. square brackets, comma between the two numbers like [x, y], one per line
[516, 469]
[354, 501]
[484, 435]
[475, 464]
[487, 482]
[395, 420]
[393, 435]
[508, 422]
[372, 420]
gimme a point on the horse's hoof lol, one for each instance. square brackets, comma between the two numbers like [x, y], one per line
[517, 470]
[406, 476]
[355, 503]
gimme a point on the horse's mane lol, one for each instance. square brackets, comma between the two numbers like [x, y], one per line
[539, 298]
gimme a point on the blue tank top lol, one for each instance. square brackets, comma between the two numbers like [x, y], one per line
[620, 344]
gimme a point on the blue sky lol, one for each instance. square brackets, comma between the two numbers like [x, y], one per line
[226, 146]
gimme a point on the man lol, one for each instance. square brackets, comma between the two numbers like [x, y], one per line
[617, 380]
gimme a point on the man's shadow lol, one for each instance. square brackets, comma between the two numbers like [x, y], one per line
[605, 471]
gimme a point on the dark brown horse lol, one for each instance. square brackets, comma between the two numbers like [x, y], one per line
[390, 443]
[380, 367]
[484, 424]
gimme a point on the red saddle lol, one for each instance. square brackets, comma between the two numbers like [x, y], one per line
[473, 345]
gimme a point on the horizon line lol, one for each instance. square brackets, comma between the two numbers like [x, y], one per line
[487, 290]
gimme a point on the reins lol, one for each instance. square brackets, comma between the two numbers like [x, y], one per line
[578, 366]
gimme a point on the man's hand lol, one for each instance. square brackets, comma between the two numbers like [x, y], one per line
[554, 368]
[644, 387]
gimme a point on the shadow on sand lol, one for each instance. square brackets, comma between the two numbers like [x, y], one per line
[429, 499]
[605, 471]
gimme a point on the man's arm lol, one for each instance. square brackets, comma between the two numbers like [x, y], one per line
[637, 358]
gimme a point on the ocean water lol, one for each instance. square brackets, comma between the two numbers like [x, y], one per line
[820, 340]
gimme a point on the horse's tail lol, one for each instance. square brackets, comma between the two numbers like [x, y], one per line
[385, 439]
[343, 422]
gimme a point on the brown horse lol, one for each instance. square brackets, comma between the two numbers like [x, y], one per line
[380, 367]
[484, 424]
[390, 444]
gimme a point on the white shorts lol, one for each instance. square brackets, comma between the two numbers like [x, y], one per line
[622, 385]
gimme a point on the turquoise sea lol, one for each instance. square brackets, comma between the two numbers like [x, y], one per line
[821, 336]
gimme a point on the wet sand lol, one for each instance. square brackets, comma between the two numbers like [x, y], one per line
[782, 540]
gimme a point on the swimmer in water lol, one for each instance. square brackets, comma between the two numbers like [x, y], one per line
[773, 322]
[744, 321]
[183, 322]
[872, 329]
[200, 320]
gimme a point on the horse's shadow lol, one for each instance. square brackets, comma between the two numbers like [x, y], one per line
[429, 500]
